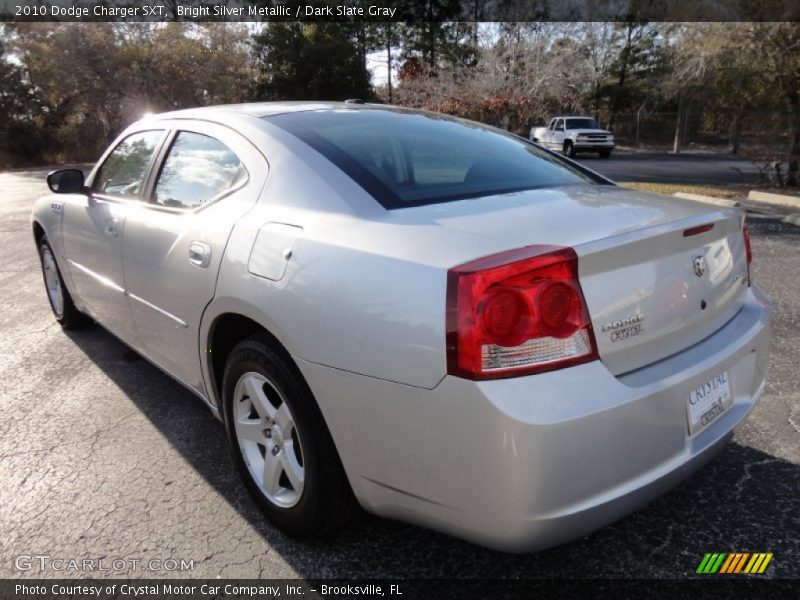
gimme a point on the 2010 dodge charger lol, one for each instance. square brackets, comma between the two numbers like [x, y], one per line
[424, 316]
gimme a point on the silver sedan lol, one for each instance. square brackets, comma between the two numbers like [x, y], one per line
[425, 317]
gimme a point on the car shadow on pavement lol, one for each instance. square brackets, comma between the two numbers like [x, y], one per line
[744, 500]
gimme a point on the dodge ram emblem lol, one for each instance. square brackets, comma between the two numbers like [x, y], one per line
[699, 265]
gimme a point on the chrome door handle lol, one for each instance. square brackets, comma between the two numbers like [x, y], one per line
[200, 254]
[112, 228]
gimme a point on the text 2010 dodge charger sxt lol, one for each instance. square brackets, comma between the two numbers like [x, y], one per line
[428, 317]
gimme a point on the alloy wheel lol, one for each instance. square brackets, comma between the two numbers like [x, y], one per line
[268, 439]
[52, 282]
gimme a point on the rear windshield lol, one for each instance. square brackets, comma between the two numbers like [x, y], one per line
[582, 124]
[412, 159]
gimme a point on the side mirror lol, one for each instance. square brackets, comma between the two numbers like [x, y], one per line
[66, 181]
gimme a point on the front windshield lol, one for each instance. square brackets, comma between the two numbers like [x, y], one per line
[582, 124]
[412, 159]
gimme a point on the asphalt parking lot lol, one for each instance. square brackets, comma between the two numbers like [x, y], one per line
[103, 456]
[668, 168]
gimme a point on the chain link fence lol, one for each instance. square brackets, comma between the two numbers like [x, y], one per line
[761, 136]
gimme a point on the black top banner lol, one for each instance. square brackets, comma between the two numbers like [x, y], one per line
[400, 10]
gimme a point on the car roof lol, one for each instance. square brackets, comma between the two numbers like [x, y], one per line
[263, 109]
[572, 117]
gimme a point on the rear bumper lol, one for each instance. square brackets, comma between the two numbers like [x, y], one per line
[526, 463]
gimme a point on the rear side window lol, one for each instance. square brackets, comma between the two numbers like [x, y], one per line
[412, 159]
[124, 171]
[197, 170]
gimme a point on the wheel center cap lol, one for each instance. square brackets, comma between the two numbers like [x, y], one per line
[277, 435]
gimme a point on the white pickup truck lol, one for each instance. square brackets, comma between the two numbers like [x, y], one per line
[571, 135]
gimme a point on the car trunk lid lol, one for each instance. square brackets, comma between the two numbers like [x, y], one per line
[654, 294]
[637, 256]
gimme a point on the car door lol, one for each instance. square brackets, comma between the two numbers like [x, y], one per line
[558, 135]
[93, 226]
[550, 133]
[208, 177]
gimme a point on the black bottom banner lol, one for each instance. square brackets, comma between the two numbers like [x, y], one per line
[401, 589]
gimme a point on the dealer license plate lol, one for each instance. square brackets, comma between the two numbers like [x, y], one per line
[708, 401]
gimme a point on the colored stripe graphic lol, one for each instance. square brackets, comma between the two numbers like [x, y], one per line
[711, 562]
[764, 564]
[737, 558]
[758, 562]
[717, 563]
[703, 563]
[735, 562]
[712, 559]
[727, 564]
[751, 563]
[740, 564]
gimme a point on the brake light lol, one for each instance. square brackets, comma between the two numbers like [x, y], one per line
[698, 230]
[516, 313]
[748, 251]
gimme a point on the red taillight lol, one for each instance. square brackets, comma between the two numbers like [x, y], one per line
[504, 315]
[748, 251]
[560, 309]
[516, 313]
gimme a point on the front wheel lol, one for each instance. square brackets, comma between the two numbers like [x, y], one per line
[57, 293]
[280, 443]
[605, 153]
[569, 149]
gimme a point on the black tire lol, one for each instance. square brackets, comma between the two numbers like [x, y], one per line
[604, 153]
[69, 317]
[327, 500]
[569, 149]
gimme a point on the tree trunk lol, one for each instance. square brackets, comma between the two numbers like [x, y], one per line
[735, 136]
[476, 17]
[625, 57]
[389, 59]
[678, 143]
[432, 46]
[361, 44]
[793, 154]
